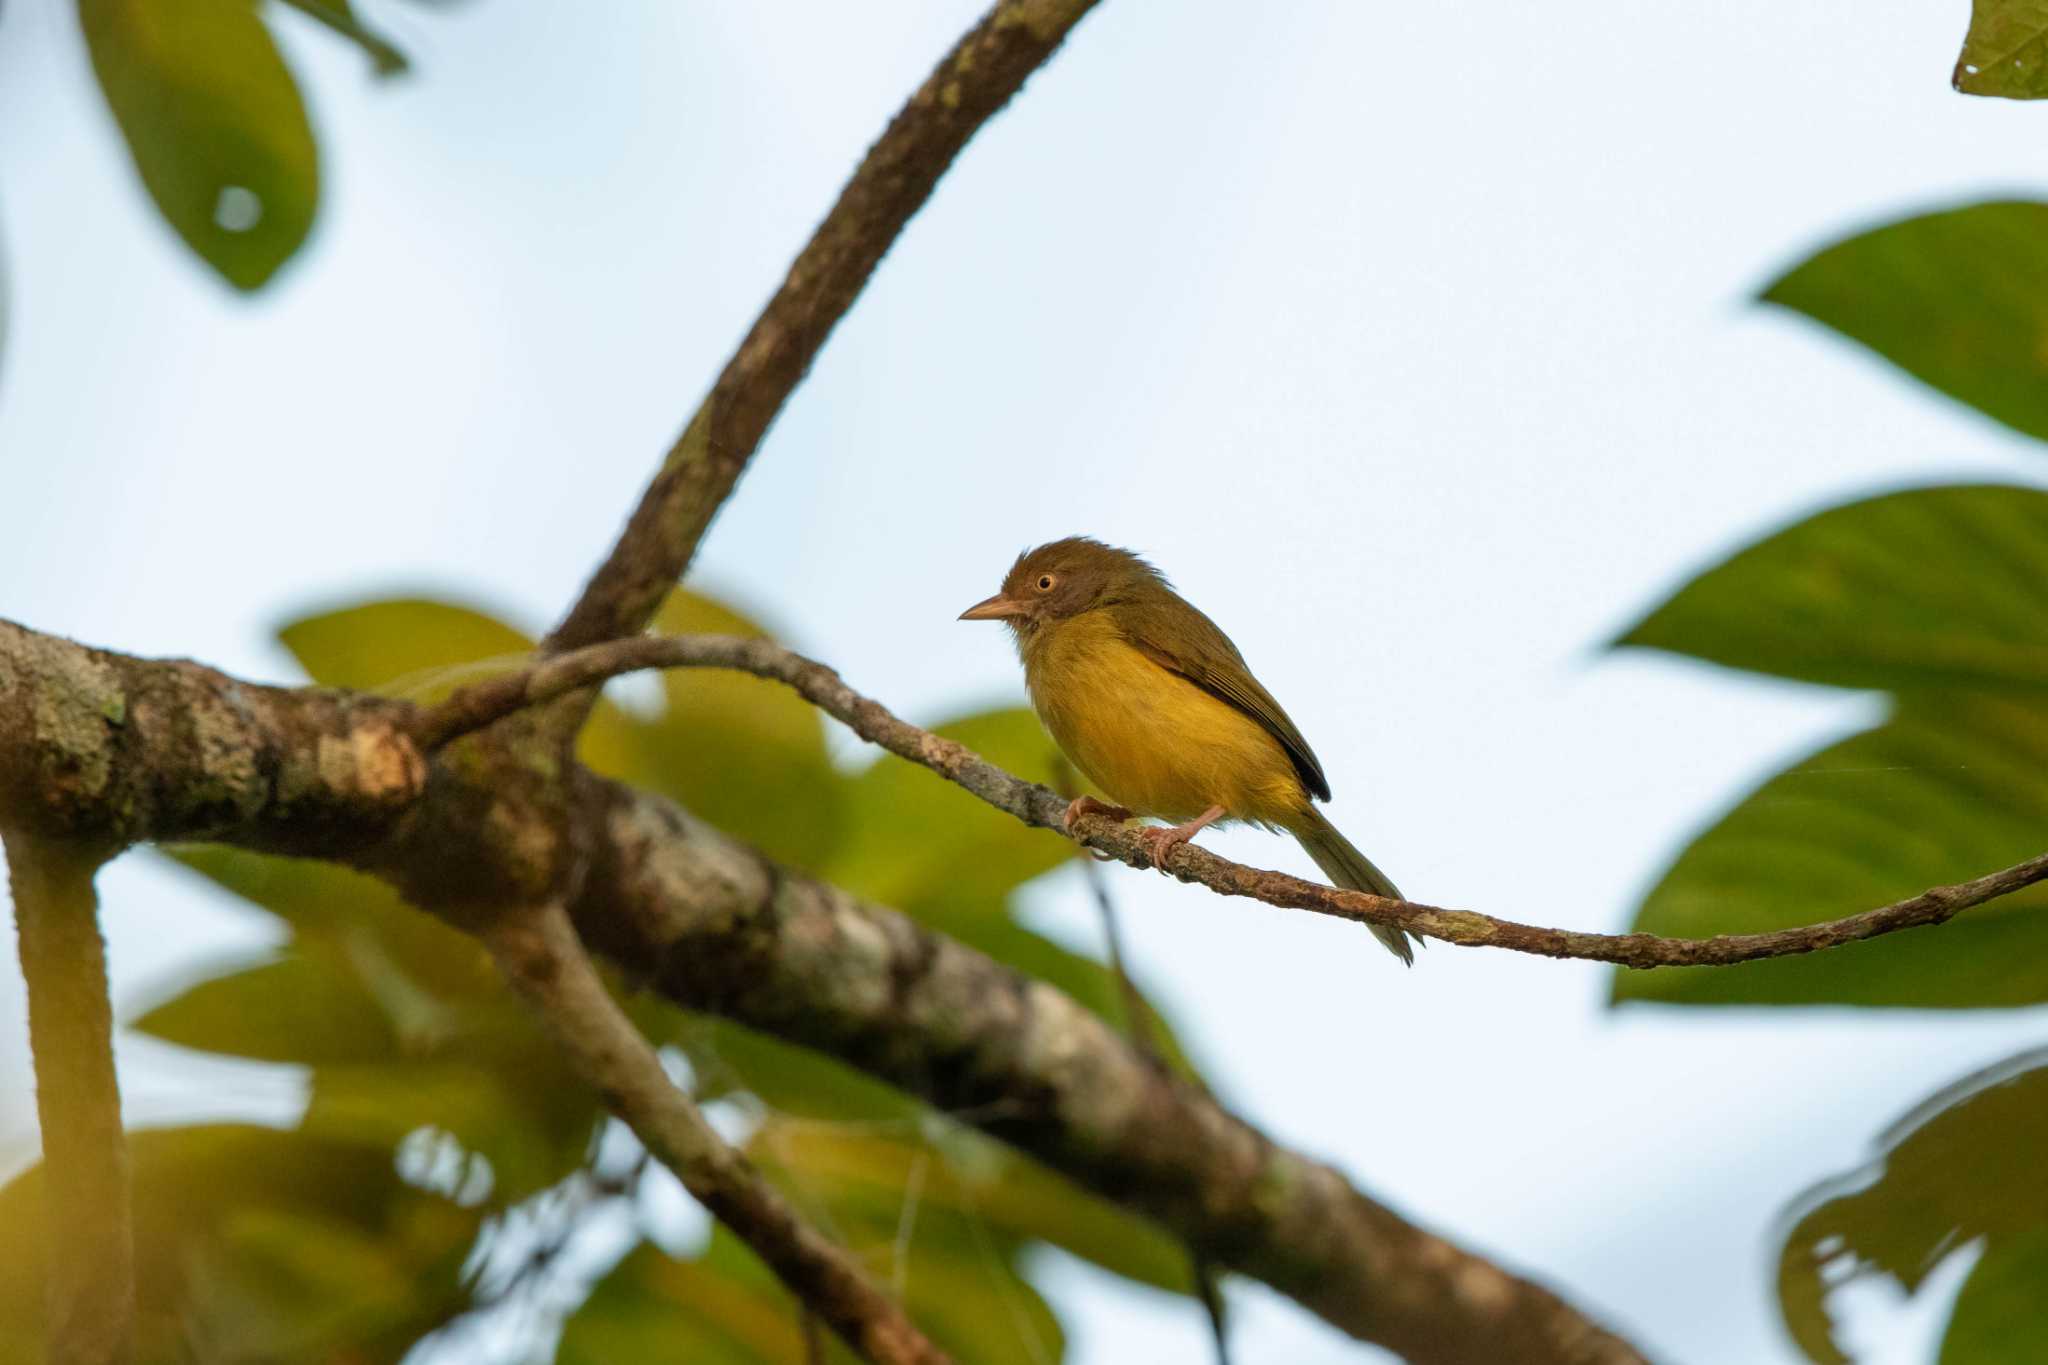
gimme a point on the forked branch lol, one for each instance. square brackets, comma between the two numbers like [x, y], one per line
[474, 707]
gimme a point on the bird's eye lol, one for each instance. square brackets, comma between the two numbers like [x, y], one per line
[1045, 582]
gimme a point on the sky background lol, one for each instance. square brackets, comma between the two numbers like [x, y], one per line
[1414, 343]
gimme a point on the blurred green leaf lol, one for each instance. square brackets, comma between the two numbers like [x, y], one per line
[340, 16]
[1944, 791]
[291, 1008]
[1958, 299]
[532, 1129]
[865, 1175]
[651, 1308]
[915, 839]
[413, 963]
[2001, 1315]
[247, 1237]
[2005, 52]
[404, 647]
[1936, 587]
[1966, 1165]
[729, 1058]
[214, 123]
[422, 650]
[744, 753]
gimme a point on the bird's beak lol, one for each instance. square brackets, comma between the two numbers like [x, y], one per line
[997, 608]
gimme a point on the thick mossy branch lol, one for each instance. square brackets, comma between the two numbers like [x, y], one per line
[974, 80]
[86, 1218]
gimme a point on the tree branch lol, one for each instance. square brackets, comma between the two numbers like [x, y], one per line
[86, 1218]
[477, 706]
[974, 80]
[539, 953]
[713, 926]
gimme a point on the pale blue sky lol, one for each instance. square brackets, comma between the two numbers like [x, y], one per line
[1412, 343]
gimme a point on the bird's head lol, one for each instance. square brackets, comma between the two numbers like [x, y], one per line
[1062, 580]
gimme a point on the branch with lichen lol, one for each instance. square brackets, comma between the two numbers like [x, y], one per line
[97, 744]
[480, 705]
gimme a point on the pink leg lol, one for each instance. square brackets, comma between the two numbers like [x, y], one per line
[1088, 805]
[1161, 843]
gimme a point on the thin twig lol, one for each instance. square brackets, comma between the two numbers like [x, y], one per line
[539, 953]
[474, 707]
[1207, 1278]
[974, 80]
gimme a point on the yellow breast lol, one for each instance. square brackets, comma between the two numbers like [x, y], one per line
[1149, 738]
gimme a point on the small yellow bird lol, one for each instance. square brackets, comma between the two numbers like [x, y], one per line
[1158, 709]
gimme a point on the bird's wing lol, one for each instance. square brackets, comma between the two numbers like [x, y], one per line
[1179, 638]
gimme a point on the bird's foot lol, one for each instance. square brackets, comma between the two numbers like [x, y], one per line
[1161, 840]
[1088, 805]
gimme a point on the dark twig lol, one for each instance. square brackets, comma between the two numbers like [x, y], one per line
[539, 953]
[1207, 1278]
[974, 80]
[474, 707]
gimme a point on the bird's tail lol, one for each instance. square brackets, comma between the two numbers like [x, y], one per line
[1348, 868]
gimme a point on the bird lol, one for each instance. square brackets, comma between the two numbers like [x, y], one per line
[1150, 700]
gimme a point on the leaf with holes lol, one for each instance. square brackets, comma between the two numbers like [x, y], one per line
[1957, 299]
[1962, 1170]
[2005, 52]
[1931, 588]
[215, 125]
[1951, 787]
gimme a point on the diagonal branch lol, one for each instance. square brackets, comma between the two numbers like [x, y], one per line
[474, 707]
[711, 925]
[539, 953]
[974, 80]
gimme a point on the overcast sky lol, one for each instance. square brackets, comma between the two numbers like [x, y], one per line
[1412, 342]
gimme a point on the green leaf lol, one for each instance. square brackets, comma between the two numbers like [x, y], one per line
[214, 123]
[413, 963]
[532, 1128]
[651, 1307]
[410, 647]
[916, 839]
[422, 650]
[2005, 52]
[1948, 789]
[1964, 1166]
[341, 17]
[744, 753]
[296, 1008]
[1957, 299]
[243, 1234]
[1935, 587]
[2001, 1314]
[967, 1187]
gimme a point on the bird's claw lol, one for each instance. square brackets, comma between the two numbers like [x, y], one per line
[1161, 841]
[1088, 805]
